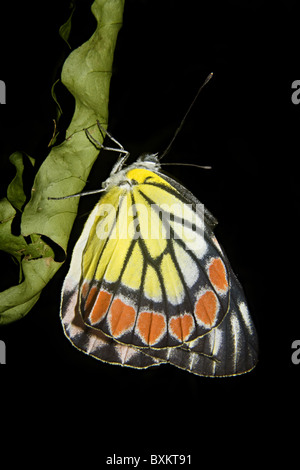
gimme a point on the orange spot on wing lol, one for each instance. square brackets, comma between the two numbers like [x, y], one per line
[181, 327]
[206, 308]
[151, 326]
[85, 289]
[217, 274]
[122, 317]
[90, 298]
[100, 306]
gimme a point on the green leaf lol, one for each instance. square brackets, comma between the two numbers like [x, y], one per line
[86, 73]
[58, 110]
[65, 29]
[19, 300]
[15, 192]
[12, 244]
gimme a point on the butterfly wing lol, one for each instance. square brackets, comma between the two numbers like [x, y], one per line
[228, 349]
[94, 342]
[153, 280]
[86, 339]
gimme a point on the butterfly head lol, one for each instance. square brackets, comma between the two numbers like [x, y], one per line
[150, 160]
[147, 161]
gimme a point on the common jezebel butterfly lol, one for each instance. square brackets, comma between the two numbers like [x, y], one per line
[138, 298]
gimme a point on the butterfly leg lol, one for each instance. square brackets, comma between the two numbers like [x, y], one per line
[101, 129]
[104, 132]
[123, 154]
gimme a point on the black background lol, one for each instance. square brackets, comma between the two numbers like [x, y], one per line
[246, 127]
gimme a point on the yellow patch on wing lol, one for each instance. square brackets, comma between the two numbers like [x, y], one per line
[161, 197]
[134, 267]
[140, 175]
[172, 282]
[112, 259]
[152, 287]
[104, 237]
[106, 210]
[151, 229]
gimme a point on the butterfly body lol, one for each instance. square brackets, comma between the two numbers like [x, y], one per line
[149, 284]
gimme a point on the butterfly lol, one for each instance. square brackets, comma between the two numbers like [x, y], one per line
[149, 283]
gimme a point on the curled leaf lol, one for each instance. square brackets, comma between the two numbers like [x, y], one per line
[65, 29]
[86, 73]
[15, 190]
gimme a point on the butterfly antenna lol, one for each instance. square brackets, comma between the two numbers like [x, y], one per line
[185, 116]
[203, 167]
